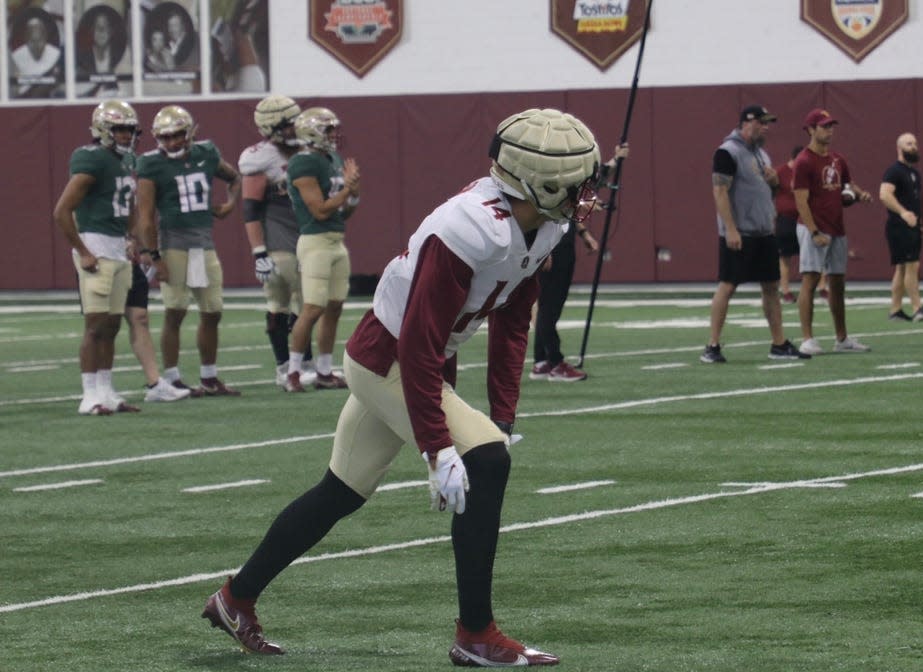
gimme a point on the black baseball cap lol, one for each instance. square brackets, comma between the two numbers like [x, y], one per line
[757, 112]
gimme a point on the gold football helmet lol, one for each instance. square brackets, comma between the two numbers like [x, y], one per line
[111, 114]
[272, 115]
[170, 120]
[319, 128]
[548, 158]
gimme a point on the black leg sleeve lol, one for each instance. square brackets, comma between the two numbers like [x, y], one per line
[555, 286]
[475, 532]
[277, 330]
[299, 527]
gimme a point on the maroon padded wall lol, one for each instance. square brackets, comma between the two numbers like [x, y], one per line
[415, 151]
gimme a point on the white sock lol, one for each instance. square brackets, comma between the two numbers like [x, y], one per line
[208, 371]
[104, 380]
[171, 375]
[323, 364]
[89, 383]
[294, 361]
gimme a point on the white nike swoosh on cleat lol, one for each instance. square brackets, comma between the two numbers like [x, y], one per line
[233, 624]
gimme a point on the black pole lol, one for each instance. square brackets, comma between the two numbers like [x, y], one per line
[614, 184]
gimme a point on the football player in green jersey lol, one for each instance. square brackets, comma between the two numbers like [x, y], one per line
[175, 180]
[325, 192]
[95, 212]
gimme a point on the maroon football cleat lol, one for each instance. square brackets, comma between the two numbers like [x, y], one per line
[238, 619]
[491, 648]
[293, 382]
[215, 388]
[194, 392]
[329, 381]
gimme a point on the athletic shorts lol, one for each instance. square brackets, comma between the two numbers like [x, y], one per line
[756, 261]
[374, 424]
[786, 236]
[104, 290]
[140, 289]
[324, 263]
[283, 289]
[814, 258]
[903, 243]
[178, 295]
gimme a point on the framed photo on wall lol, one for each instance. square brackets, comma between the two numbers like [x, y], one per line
[36, 49]
[172, 57]
[239, 46]
[102, 49]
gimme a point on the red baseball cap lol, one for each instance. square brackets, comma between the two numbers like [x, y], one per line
[818, 117]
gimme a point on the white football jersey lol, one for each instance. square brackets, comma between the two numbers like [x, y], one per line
[279, 225]
[263, 157]
[477, 225]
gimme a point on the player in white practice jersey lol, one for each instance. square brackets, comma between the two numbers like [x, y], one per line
[474, 258]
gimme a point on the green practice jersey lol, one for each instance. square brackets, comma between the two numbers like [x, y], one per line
[184, 186]
[328, 171]
[106, 207]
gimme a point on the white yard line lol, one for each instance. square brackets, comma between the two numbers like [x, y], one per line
[225, 486]
[573, 486]
[428, 541]
[58, 486]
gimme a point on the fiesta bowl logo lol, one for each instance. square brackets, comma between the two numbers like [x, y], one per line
[856, 18]
[358, 21]
[601, 17]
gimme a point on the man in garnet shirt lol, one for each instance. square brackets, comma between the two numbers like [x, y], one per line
[474, 258]
[821, 180]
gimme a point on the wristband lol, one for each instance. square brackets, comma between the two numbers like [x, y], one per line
[259, 251]
[352, 201]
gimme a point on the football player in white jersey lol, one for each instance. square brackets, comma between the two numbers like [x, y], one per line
[272, 229]
[474, 258]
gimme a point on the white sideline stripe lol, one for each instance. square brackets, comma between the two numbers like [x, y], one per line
[671, 365]
[401, 485]
[225, 486]
[907, 365]
[763, 484]
[575, 486]
[57, 486]
[161, 456]
[546, 413]
[428, 541]
[27, 369]
[919, 495]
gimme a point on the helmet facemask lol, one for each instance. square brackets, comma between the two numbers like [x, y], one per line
[111, 117]
[550, 159]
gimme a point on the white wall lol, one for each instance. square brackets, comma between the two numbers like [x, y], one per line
[507, 45]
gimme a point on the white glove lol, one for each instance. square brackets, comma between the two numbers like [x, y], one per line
[448, 480]
[264, 266]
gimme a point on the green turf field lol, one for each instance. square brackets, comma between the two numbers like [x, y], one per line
[664, 515]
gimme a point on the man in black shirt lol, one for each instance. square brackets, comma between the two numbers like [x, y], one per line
[900, 194]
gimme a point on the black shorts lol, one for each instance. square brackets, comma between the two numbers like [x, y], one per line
[756, 261]
[137, 295]
[903, 242]
[786, 237]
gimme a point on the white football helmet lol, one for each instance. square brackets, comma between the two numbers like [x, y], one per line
[273, 114]
[111, 114]
[174, 119]
[319, 128]
[548, 158]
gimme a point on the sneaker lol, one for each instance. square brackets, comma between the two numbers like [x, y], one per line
[918, 315]
[901, 316]
[850, 345]
[293, 382]
[712, 355]
[91, 405]
[787, 351]
[212, 387]
[329, 381]
[282, 374]
[810, 346]
[565, 373]
[540, 371]
[163, 391]
[491, 648]
[194, 392]
[789, 297]
[238, 619]
[117, 404]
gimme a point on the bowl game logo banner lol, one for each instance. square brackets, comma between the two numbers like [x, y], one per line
[601, 31]
[358, 33]
[855, 26]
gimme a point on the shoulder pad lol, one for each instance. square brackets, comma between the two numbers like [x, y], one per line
[257, 158]
[473, 232]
